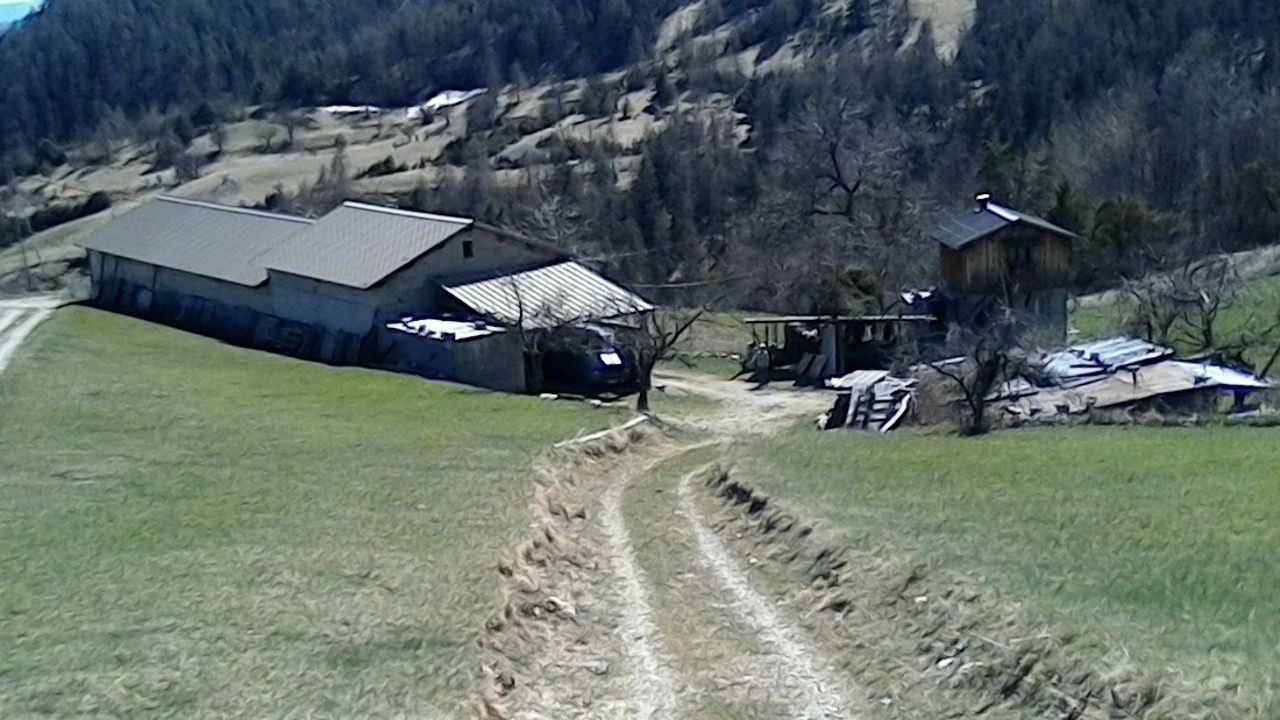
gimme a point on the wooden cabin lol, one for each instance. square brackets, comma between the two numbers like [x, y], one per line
[994, 255]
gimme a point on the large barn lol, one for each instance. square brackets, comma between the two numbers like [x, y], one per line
[441, 296]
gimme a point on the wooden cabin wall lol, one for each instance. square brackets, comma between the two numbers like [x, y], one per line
[990, 264]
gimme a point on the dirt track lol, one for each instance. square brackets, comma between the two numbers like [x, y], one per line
[585, 631]
[654, 586]
[19, 317]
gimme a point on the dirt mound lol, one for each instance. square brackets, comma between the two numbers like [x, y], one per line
[922, 641]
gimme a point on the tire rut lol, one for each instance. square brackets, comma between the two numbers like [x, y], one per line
[813, 690]
[653, 682]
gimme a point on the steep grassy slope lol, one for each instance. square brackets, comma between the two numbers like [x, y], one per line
[190, 528]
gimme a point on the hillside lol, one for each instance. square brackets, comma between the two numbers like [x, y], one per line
[674, 144]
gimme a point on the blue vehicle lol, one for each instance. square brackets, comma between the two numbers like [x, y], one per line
[588, 359]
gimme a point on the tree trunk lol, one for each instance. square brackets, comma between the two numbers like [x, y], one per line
[645, 381]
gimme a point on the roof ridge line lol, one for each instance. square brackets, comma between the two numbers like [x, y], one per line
[234, 209]
[409, 213]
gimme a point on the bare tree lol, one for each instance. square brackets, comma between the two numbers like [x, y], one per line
[266, 134]
[218, 135]
[980, 358]
[849, 196]
[555, 220]
[652, 340]
[291, 121]
[1186, 305]
[12, 203]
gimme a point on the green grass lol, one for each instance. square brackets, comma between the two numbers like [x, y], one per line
[1160, 542]
[1260, 300]
[188, 528]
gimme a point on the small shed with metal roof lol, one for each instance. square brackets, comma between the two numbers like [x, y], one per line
[548, 296]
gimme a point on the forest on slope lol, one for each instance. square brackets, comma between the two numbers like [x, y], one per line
[1145, 126]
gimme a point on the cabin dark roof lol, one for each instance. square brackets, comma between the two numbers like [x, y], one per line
[987, 220]
[215, 241]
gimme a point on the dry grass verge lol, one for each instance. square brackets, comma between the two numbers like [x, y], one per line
[550, 647]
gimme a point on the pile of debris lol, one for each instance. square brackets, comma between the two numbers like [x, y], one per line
[1119, 374]
[1124, 373]
[869, 400]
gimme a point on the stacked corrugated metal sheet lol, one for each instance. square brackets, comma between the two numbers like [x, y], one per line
[1117, 373]
[869, 400]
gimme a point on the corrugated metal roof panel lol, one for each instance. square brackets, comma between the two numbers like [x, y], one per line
[1102, 357]
[216, 241]
[360, 245]
[972, 226]
[1117, 389]
[859, 380]
[549, 295]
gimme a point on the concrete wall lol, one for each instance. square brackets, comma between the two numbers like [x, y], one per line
[168, 281]
[191, 302]
[495, 362]
[492, 252]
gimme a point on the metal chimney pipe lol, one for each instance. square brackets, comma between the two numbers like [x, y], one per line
[982, 200]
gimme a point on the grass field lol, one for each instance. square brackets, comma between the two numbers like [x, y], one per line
[1158, 543]
[188, 528]
[1260, 299]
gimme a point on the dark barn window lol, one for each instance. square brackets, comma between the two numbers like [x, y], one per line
[468, 249]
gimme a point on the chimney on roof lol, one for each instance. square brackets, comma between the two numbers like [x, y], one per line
[981, 200]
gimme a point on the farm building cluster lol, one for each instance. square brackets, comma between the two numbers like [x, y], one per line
[443, 297]
[997, 266]
[993, 259]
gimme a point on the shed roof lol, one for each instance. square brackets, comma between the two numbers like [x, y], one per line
[216, 241]
[549, 295]
[986, 220]
[360, 245]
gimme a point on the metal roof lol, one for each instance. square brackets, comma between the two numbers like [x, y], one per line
[360, 245]
[445, 329]
[216, 241]
[858, 380]
[974, 225]
[549, 295]
[1081, 363]
[1166, 377]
